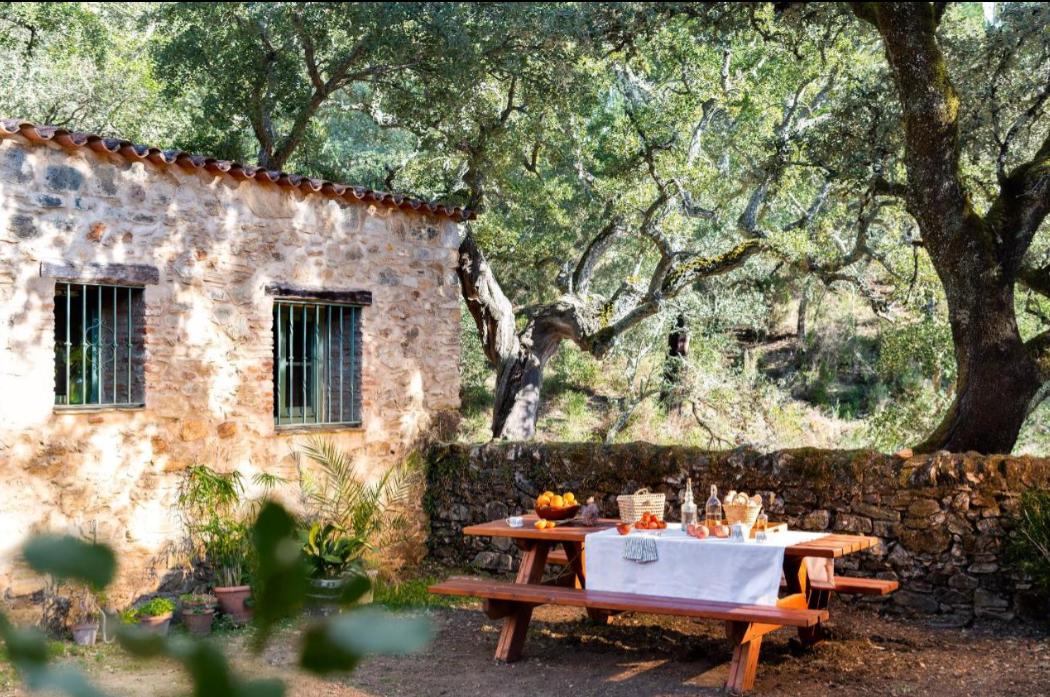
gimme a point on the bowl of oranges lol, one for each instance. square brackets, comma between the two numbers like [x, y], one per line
[551, 506]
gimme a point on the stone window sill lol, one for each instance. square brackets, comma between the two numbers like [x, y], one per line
[96, 409]
[317, 428]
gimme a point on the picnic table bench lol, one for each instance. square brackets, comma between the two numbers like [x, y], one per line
[803, 606]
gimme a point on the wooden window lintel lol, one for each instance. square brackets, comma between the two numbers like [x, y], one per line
[349, 297]
[106, 274]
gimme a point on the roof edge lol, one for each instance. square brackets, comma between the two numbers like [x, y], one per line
[71, 141]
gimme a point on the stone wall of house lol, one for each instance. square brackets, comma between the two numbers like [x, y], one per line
[944, 520]
[216, 243]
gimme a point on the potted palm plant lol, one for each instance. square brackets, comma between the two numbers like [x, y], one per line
[350, 520]
[212, 504]
[198, 612]
[227, 549]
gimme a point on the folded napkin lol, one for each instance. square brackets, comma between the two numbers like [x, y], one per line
[640, 548]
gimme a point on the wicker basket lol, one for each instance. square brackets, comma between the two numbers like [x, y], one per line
[741, 513]
[632, 506]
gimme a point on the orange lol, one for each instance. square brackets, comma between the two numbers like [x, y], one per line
[557, 502]
[543, 500]
[548, 494]
[570, 498]
[541, 523]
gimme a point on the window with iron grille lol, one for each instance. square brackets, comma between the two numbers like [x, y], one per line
[316, 364]
[99, 345]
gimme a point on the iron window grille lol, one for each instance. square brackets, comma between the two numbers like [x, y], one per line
[99, 345]
[317, 364]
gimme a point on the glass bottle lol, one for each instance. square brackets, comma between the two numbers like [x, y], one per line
[713, 509]
[760, 527]
[689, 512]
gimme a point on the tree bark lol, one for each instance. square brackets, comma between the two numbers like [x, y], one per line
[800, 324]
[977, 258]
[672, 391]
[996, 375]
[519, 380]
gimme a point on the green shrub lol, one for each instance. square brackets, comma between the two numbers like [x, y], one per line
[1030, 548]
[571, 367]
[914, 353]
[155, 608]
[152, 608]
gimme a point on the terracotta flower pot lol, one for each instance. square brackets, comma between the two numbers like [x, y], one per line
[198, 623]
[158, 624]
[232, 602]
[85, 634]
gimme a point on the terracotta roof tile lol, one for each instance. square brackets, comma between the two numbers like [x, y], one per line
[72, 140]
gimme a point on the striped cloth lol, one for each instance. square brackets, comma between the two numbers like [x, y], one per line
[640, 548]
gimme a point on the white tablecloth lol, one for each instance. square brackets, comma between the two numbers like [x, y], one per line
[710, 569]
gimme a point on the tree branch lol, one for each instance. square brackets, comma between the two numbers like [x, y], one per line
[490, 307]
[694, 267]
[598, 246]
[1020, 208]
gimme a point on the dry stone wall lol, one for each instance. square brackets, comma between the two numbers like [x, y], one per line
[208, 247]
[943, 520]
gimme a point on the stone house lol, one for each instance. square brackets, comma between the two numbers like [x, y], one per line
[159, 309]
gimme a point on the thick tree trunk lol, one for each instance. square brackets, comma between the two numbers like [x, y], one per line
[977, 258]
[519, 380]
[997, 376]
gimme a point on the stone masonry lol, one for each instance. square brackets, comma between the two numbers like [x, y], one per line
[944, 520]
[216, 243]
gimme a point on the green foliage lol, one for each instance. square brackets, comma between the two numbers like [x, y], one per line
[66, 557]
[156, 607]
[572, 367]
[412, 593]
[335, 644]
[280, 584]
[328, 551]
[338, 645]
[1030, 547]
[368, 514]
[63, 58]
[903, 421]
[916, 352]
[215, 513]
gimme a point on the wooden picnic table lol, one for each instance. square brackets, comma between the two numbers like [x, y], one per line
[803, 605]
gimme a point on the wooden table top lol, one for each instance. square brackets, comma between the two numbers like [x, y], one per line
[831, 546]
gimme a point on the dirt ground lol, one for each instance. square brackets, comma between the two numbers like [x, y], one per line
[643, 656]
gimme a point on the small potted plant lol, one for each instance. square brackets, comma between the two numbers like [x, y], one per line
[154, 615]
[227, 548]
[329, 555]
[84, 616]
[212, 504]
[359, 519]
[198, 612]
